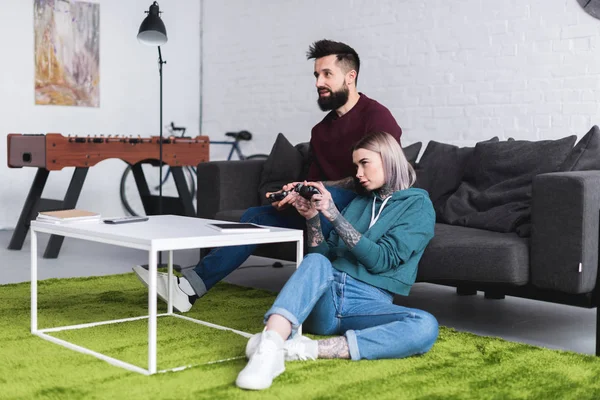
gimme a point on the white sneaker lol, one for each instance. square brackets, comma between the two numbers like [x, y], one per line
[299, 348]
[144, 276]
[265, 364]
[182, 302]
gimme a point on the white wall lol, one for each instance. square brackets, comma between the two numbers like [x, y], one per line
[450, 70]
[129, 94]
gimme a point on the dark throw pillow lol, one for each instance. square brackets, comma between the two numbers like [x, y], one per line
[441, 169]
[585, 156]
[412, 152]
[284, 165]
[304, 149]
[495, 193]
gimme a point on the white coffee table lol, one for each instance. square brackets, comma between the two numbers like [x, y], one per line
[159, 233]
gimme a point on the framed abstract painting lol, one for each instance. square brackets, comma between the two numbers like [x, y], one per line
[67, 53]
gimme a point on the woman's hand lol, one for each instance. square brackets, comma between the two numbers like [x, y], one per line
[323, 202]
[304, 207]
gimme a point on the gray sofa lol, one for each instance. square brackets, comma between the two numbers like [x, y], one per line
[514, 218]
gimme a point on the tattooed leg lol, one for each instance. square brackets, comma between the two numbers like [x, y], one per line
[336, 347]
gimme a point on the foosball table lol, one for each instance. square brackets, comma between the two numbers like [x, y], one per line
[54, 151]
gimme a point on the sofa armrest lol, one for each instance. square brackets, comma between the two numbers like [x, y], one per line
[564, 236]
[227, 185]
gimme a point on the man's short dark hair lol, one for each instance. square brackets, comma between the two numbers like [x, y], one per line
[345, 54]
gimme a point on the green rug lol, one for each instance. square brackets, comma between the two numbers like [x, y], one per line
[460, 365]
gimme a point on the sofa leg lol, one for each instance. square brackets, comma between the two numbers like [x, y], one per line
[465, 291]
[493, 295]
[597, 331]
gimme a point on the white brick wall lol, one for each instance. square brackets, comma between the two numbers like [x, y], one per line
[129, 96]
[450, 70]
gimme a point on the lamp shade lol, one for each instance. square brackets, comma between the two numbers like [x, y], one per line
[152, 30]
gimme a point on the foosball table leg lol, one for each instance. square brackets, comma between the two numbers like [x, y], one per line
[185, 197]
[70, 201]
[29, 208]
[35, 203]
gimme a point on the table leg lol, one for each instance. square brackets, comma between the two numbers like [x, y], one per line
[170, 279]
[34, 325]
[299, 256]
[152, 312]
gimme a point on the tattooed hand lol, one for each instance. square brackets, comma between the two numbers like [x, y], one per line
[304, 207]
[323, 202]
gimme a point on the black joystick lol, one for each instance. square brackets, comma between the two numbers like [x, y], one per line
[306, 191]
[273, 197]
[303, 190]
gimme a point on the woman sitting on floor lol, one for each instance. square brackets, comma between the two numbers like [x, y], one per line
[346, 285]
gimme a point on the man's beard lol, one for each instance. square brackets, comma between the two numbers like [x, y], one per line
[335, 99]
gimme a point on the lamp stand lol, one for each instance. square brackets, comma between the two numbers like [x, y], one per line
[160, 152]
[160, 158]
[160, 143]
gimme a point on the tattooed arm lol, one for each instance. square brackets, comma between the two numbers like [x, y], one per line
[324, 203]
[314, 232]
[345, 230]
[305, 208]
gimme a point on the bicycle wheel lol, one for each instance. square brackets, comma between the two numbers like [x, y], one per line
[257, 157]
[130, 196]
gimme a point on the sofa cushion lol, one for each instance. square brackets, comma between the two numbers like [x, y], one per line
[585, 156]
[284, 165]
[304, 149]
[495, 193]
[412, 152]
[457, 253]
[441, 168]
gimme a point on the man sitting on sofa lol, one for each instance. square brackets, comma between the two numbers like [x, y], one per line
[352, 115]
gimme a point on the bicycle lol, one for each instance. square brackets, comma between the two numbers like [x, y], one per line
[130, 198]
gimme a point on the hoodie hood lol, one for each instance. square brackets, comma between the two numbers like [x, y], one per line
[403, 194]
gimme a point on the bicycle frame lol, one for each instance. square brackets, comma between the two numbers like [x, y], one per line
[234, 147]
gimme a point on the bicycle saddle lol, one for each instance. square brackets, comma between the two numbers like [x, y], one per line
[241, 135]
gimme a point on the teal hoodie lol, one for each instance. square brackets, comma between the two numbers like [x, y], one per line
[387, 254]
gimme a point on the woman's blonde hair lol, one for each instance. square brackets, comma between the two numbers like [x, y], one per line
[398, 173]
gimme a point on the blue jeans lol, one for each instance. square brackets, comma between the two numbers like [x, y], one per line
[329, 302]
[222, 261]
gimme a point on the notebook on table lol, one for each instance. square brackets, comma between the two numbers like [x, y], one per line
[67, 216]
[238, 227]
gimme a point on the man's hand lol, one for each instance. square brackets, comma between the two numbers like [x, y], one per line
[288, 200]
[281, 204]
[290, 186]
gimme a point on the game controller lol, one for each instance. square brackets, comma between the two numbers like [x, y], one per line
[305, 191]
[273, 197]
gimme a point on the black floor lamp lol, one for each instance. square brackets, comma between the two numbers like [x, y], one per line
[153, 33]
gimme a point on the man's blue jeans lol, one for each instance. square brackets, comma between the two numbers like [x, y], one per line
[329, 302]
[222, 261]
